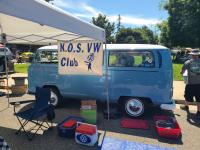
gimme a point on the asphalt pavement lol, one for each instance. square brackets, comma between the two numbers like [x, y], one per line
[50, 140]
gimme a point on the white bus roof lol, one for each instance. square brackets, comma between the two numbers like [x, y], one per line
[133, 46]
[51, 47]
[117, 47]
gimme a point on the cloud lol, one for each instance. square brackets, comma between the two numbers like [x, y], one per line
[83, 10]
[87, 16]
[62, 3]
[90, 9]
[131, 20]
[77, 8]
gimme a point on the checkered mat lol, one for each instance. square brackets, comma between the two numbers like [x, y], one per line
[117, 144]
[3, 144]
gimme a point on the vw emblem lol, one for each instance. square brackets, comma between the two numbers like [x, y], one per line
[83, 138]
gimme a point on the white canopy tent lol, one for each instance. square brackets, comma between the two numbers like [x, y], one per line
[36, 21]
[41, 23]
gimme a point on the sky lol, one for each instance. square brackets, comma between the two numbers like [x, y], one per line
[134, 13]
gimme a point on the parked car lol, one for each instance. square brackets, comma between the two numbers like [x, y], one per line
[180, 56]
[8, 52]
[9, 57]
[25, 57]
[138, 76]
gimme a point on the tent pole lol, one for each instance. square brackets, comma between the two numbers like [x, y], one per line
[4, 47]
[3, 38]
[107, 83]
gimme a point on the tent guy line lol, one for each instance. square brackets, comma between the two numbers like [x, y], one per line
[42, 38]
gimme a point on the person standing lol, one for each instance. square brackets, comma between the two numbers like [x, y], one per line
[192, 88]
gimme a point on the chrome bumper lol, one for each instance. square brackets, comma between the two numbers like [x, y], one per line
[168, 106]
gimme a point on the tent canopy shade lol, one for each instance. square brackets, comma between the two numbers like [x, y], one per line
[38, 22]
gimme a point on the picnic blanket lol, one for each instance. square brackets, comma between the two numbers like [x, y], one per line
[3, 144]
[118, 144]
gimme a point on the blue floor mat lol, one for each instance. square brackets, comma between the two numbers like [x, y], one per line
[117, 144]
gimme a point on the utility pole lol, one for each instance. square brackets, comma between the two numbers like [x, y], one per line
[119, 23]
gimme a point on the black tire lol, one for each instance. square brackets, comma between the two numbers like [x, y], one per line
[1, 68]
[134, 107]
[56, 98]
[2, 65]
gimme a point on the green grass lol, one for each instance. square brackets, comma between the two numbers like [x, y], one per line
[138, 60]
[21, 68]
[177, 70]
[113, 60]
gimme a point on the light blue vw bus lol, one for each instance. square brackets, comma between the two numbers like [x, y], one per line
[138, 75]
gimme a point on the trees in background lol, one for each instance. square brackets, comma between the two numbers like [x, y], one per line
[182, 26]
[141, 35]
[180, 29]
[164, 38]
[103, 22]
[151, 37]
[119, 26]
[129, 35]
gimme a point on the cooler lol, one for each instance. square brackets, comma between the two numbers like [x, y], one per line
[167, 132]
[86, 134]
[68, 126]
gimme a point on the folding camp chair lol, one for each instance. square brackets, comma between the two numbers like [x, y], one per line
[41, 112]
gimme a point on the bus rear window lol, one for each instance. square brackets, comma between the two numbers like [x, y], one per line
[131, 59]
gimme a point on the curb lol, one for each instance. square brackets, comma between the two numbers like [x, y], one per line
[179, 101]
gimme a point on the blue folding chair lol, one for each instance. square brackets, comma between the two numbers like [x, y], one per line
[41, 112]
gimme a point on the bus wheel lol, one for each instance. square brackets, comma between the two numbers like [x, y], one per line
[134, 107]
[55, 97]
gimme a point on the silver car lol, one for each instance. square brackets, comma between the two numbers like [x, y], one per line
[9, 57]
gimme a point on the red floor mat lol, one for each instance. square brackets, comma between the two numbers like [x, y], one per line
[134, 123]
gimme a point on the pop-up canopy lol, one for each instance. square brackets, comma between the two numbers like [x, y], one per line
[38, 22]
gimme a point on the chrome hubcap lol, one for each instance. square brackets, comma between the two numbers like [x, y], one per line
[134, 107]
[54, 98]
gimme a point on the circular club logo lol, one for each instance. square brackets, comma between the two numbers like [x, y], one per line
[83, 138]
